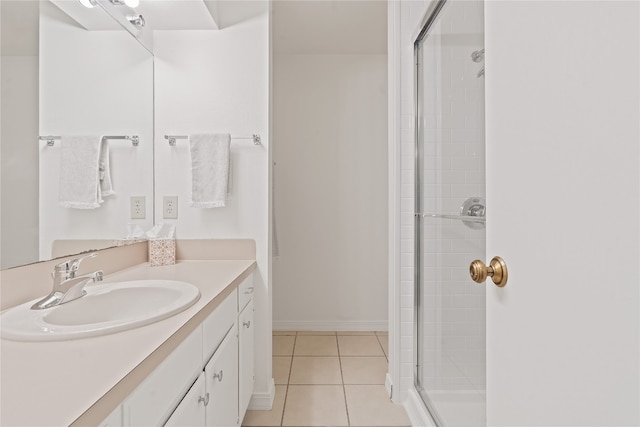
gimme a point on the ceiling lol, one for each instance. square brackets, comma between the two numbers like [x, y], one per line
[329, 27]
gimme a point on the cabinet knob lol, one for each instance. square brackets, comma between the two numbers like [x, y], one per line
[218, 376]
[249, 291]
[247, 324]
[204, 399]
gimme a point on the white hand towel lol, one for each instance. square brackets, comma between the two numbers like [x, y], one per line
[106, 188]
[210, 159]
[84, 172]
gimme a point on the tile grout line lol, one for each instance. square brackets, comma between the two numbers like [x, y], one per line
[344, 390]
[382, 347]
[286, 392]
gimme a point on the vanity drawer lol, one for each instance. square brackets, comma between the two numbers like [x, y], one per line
[245, 292]
[216, 326]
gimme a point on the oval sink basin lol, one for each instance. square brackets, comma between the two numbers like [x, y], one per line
[105, 309]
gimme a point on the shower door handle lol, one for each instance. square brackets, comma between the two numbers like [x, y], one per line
[497, 270]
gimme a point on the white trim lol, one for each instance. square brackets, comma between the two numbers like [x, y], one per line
[416, 411]
[388, 385]
[263, 401]
[330, 325]
[394, 93]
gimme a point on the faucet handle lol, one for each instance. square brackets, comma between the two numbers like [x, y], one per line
[72, 265]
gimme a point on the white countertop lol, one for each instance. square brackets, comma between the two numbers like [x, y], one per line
[82, 381]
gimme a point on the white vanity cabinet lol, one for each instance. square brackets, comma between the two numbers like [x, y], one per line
[207, 380]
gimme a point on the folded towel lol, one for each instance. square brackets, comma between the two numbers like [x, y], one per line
[84, 172]
[210, 160]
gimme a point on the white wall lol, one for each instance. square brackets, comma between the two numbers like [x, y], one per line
[101, 83]
[330, 192]
[218, 81]
[19, 170]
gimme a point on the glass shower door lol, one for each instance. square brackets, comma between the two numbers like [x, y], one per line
[450, 372]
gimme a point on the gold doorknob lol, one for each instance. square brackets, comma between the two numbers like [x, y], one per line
[497, 270]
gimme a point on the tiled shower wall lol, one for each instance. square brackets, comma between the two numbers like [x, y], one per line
[454, 165]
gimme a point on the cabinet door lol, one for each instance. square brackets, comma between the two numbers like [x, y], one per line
[155, 399]
[246, 327]
[222, 383]
[191, 411]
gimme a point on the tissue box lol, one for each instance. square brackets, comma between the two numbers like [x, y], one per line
[162, 252]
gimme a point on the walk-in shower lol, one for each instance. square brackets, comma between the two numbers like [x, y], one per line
[450, 370]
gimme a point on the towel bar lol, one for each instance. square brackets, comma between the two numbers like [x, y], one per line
[135, 139]
[173, 138]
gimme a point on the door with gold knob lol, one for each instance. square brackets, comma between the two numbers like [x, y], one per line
[563, 197]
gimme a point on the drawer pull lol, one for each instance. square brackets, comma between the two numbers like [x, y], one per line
[204, 399]
[247, 324]
[249, 291]
[218, 376]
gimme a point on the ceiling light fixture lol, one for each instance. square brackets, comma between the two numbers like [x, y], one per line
[88, 3]
[131, 3]
[136, 20]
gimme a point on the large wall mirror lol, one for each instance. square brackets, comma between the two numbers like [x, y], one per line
[61, 79]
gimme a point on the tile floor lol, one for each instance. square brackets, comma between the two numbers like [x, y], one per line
[329, 379]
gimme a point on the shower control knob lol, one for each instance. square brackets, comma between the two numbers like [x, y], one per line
[497, 270]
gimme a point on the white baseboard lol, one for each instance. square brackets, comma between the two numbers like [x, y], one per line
[416, 410]
[331, 325]
[263, 401]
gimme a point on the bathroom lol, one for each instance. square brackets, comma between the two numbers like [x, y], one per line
[563, 85]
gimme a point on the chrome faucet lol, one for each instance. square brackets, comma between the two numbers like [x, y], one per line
[67, 286]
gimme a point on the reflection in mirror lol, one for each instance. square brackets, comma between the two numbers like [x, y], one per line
[89, 83]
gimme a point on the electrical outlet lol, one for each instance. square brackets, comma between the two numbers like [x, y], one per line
[170, 207]
[138, 207]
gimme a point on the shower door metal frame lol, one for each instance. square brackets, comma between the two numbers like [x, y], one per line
[430, 17]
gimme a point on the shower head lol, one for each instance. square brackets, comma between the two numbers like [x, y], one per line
[477, 55]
